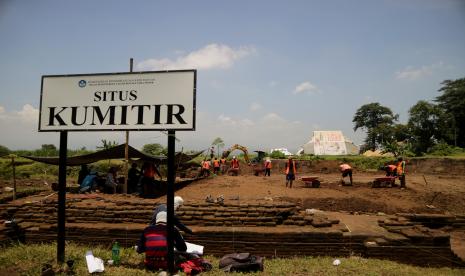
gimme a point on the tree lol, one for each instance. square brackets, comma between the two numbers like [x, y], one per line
[107, 144]
[453, 102]
[428, 125]
[375, 119]
[401, 132]
[154, 149]
[4, 150]
[218, 142]
[46, 150]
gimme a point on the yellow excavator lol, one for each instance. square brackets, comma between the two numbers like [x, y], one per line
[258, 159]
[237, 147]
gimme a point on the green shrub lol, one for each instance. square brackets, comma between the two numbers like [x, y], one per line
[277, 155]
[443, 149]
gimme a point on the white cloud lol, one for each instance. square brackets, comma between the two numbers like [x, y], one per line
[306, 87]
[412, 73]
[255, 107]
[273, 118]
[29, 113]
[225, 119]
[234, 122]
[212, 56]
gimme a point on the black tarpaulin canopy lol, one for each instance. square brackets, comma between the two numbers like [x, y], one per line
[112, 153]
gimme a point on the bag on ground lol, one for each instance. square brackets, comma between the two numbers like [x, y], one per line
[241, 262]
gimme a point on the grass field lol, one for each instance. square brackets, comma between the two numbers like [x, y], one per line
[29, 259]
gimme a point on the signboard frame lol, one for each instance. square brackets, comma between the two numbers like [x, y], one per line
[130, 127]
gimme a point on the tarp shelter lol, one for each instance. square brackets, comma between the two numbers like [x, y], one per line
[112, 153]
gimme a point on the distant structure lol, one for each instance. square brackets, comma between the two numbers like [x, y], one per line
[282, 150]
[329, 143]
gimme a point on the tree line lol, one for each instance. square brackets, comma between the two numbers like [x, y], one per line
[431, 127]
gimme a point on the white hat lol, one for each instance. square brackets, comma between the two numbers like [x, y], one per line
[178, 202]
[234, 157]
[161, 217]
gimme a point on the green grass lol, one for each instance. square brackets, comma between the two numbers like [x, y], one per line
[29, 259]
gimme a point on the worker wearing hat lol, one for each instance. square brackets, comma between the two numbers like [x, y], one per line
[154, 242]
[178, 202]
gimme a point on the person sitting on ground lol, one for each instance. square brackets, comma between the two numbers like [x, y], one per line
[346, 170]
[88, 183]
[290, 172]
[154, 242]
[178, 202]
[111, 181]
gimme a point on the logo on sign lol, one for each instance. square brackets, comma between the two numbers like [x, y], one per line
[82, 83]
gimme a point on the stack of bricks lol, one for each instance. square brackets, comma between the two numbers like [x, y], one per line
[203, 214]
[416, 242]
[267, 229]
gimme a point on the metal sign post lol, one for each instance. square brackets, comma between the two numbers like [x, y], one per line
[62, 196]
[170, 198]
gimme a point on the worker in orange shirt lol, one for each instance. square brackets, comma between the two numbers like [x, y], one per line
[268, 166]
[234, 166]
[234, 163]
[216, 166]
[205, 168]
[290, 172]
[346, 170]
[223, 165]
[391, 170]
[401, 171]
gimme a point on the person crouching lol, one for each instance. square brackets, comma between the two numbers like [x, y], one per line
[154, 242]
[346, 170]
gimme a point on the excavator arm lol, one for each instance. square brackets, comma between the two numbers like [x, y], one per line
[237, 147]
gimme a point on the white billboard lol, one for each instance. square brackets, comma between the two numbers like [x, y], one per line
[118, 101]
[329, 143]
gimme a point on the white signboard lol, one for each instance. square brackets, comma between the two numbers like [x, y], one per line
[118, 101]
[329, 143]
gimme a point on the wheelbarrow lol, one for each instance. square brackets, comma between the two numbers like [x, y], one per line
[311, 181]
[384, 181]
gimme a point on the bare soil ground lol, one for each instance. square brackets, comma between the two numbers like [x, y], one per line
[424, 193]
[445, 193]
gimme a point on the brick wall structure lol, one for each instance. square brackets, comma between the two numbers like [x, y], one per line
[267, 229]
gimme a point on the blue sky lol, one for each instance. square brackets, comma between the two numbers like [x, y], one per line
[269, 72]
